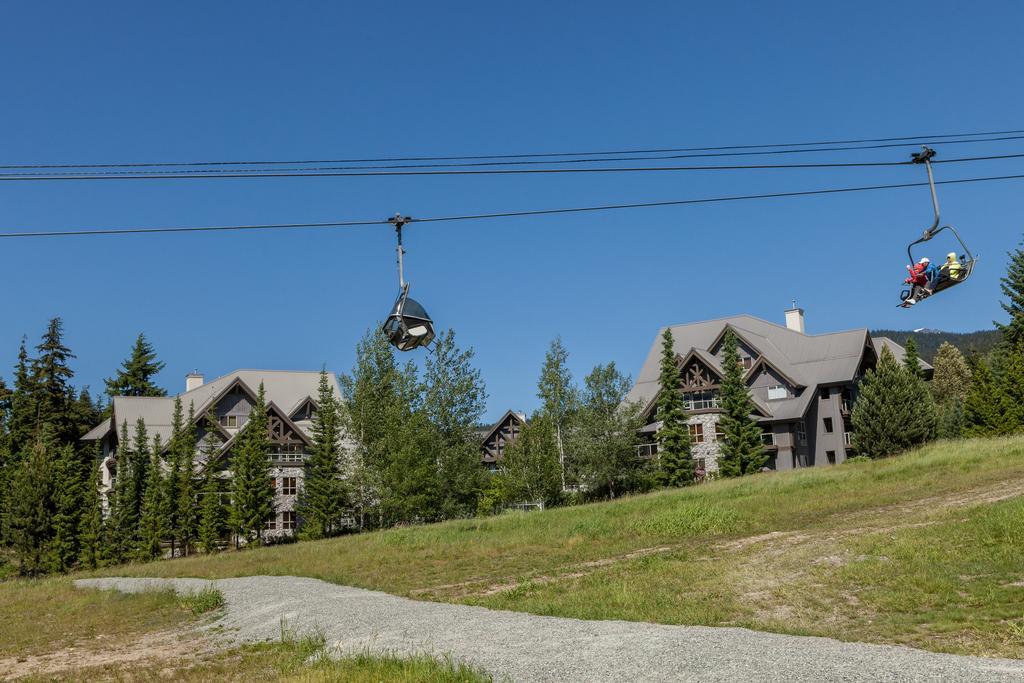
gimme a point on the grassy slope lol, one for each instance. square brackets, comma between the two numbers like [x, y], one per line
[923, 549]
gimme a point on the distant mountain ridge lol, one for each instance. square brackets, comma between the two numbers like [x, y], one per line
[929, 341]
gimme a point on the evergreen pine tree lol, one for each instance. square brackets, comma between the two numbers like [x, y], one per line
[186, 517]
[675, 463]
[21, 428]
[558, 395]
[742, 451]
[67, 493]
[135, 376]
[894, 410]
[322, 498]
[51, 378]
[124, 515]
[1011, 390]
[1012, 285]
[911, 359]
[154, 510]
[213, 513]
[30, 522]
[91, 531]
[252, 498]
[983, 403]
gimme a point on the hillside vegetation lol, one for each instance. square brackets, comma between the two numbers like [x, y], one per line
[923, 549]
[928, 342]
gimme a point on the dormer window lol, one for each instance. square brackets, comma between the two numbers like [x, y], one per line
[230, 421]
[777, 392]
[746, 362]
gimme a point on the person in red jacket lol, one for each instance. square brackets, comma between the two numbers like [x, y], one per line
[918, 279]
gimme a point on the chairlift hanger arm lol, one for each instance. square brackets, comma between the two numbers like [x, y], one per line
[925, 157]
[399, 221]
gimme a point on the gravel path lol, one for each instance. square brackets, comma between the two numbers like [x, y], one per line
[525, 647]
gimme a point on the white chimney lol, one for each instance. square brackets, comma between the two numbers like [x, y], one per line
[194, 380]
[795, 319]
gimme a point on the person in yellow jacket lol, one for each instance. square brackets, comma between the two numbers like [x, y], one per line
[952, 268]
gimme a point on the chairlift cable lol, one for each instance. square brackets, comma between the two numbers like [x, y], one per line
[507, 214]
[903, 141]
[327, 172]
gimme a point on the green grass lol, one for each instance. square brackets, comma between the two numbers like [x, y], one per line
[911, 550]
[40, 616]
[291, 660]
[206, 600]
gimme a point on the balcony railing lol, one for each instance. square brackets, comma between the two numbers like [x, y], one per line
[848, 438]
[847, 406]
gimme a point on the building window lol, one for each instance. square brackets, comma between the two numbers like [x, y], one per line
[801, 433]
[289, 486]
[700, 464]
[768, 438]
[288, 520]
[272, 523]
[824, 393]
[229, 421]
[776, 392]
[701, 400]
[719, 432]
[828, 424]
[746, 362]
[697, 433]
[831, 455]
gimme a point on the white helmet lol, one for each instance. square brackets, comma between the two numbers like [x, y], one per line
[925, 260]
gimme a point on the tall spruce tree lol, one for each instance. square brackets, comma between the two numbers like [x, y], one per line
[91, 532]
[1011, 389]
[252, 498]
[68, 497]
[172, 482]
[154, 510]
[894, 410]
[322, 499]
[123, 521]
[742, 451]
[558, 396]
[911, 359]
[983, 403]
[1012, 285]
[186, 516]
[30, 511]
[54, 395]
[135, 376]
[21, 427]
[213, 513]
[675, 462]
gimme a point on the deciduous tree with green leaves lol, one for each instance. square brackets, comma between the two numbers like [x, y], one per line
[603, 442]
[530, 471]
[742, 451]
[558, 397]
[950, 383]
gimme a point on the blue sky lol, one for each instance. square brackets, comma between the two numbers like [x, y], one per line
[117, 82]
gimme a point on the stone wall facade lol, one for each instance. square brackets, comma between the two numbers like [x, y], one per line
[284, 503]
[709, 449]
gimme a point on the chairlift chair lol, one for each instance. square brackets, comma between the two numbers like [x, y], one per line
[967, 259]
[408, 326]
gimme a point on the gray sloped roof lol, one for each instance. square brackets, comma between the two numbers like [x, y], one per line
[283, 388]
[810, 360]
[897, 351]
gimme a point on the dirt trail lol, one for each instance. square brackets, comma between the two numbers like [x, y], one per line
[162, 646]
